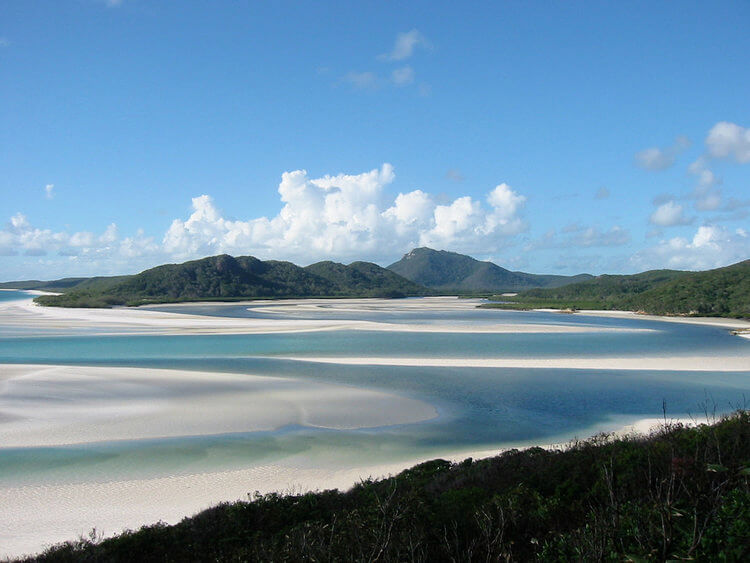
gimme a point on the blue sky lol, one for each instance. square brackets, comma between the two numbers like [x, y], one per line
[545, 136]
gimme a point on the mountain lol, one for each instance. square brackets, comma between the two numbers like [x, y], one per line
[721, 292]
[365, 278]
[450, 271]
[225, 277]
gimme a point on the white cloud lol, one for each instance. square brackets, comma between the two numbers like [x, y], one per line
[655, 158]
[346, 216]
[669, 214]
[49, 191]
[403, 76]
[727, 140]
[710, 247]
[405, 45]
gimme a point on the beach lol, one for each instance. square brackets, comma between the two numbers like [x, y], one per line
[59, 406]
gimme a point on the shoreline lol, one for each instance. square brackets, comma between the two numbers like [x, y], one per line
[655, 363]
[114, 506]
[143, 320]
[56, 405]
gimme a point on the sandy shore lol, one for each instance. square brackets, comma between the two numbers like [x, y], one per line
[26, 314]
[55, 405]
[683, 363]
[38, 516]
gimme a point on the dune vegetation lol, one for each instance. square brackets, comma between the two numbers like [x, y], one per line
[681, 493]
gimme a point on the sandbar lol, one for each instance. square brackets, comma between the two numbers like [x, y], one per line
[143, 320]
[660, 363]
[57, 405]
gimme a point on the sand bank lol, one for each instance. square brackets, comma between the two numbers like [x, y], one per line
[55, 405]
[672, 363]
[26, 314]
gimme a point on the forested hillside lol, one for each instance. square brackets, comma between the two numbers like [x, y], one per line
[225, 278]
[721, 292]
[450, 271]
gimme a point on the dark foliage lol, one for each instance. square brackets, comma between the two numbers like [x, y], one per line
[722, 292]
[449, 271]
[225, 278]
[680, 494]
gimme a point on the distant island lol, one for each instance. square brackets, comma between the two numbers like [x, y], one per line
[450, 272]
[723, 292]
[421, 272]
[226, 278]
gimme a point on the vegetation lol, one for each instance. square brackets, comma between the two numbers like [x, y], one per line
[680, 494]
[723, 292]
[452, 272]
[226, 278]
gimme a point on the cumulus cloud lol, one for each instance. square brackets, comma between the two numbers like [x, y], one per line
[405, 45]
[655, 158]
[331, 217]
[348, 216]
[21, 237]
[729, 140]
[669, 214]
[711, 246]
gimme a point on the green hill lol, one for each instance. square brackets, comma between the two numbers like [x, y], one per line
[721, 292]
[226, 278]
[450, 271]
[365, 279]
[680, 494]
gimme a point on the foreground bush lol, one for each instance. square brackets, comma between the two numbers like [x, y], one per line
[681, 493]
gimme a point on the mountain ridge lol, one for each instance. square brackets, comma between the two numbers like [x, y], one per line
[445, 270]
[225, 277]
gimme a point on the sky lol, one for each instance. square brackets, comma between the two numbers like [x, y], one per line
[548, 137]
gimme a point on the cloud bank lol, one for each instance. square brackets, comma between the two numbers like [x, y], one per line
[332, 217]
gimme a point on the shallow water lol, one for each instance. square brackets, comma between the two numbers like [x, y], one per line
[479, 408]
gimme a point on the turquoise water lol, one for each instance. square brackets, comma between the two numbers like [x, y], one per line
[13, 295]
[478, 407]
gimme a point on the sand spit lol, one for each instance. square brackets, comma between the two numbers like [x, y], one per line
[56, 405]
[674, 363]
[142, 320]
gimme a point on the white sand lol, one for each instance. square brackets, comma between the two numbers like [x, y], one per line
[37, 516]
[705, 321]
[54, 405]
[60, 405]
[680, 363]
[26, 314]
